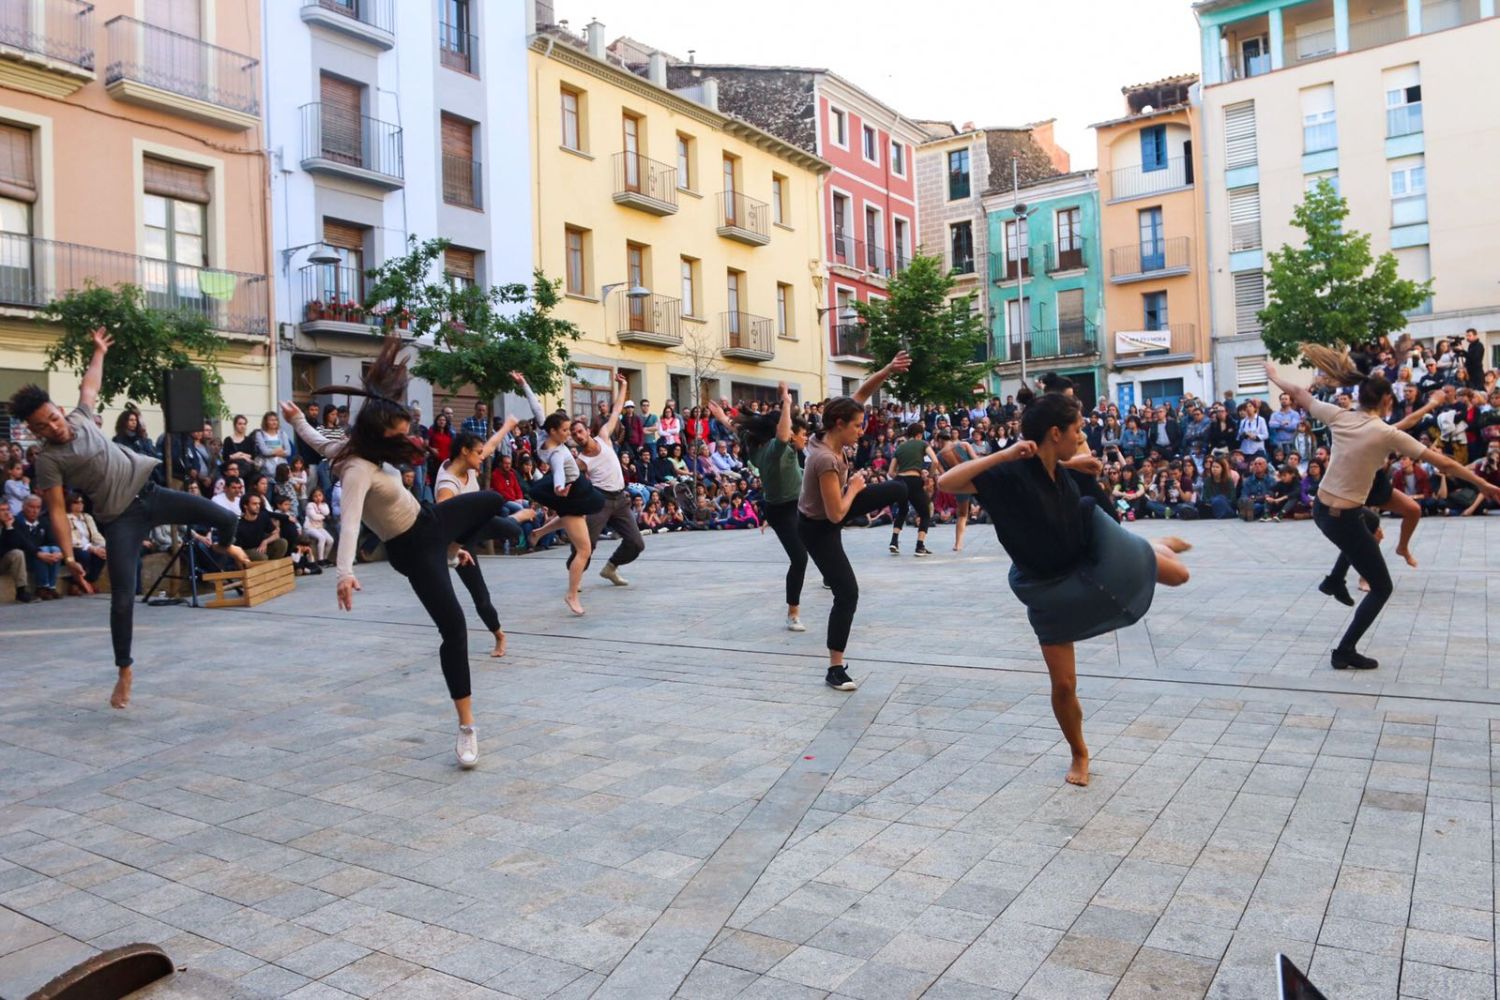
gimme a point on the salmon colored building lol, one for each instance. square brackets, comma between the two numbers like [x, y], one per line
[131, 152]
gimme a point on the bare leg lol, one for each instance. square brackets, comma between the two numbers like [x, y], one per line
[1406, 508]
[963, 522]
[539, 533]
[1062, 667]
[465, 708]
[577, 530]
[121, 696]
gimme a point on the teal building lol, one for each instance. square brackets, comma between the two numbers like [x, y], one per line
[1050, 256]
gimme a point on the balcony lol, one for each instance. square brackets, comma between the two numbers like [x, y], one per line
[645, 184]
[463, 182]
[654, 320]
[372, 21]
[743, 219]
[747, 337]
[161, 69]
[1138, 348]
[1138, 182]
[1308, 46]
[1069, 258]
[1440, 15]
[863, 258]
[851, 340]
[1076, 339]
[333, 301]
[457, 48]
[1242, 68]
[356, 147]
[1003, 268]
[35, 272]
[1144, 261]
[46, 46]
[1381, 30]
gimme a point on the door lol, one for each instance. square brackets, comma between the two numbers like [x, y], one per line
[1069, 240]
[171, 55]
[339, 125]
[1071, 330]
[635, 268]
[1253, 59]
[840, 229]
[343, 282]
[460, 177]
[632, 127]
[733, 320]
[1153, 245]
[731, 210]
[872, 240]
[1018, 325]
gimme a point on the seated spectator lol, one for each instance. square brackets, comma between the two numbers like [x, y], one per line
[43, 554]
[1129, 495]
[1221, 489]
[257, 533]
[742, 514]
[1285, 497]
[672, 519]
[299, 548]
[13, 555]
[651, 516]
[297, 476]
[88, 544]
[504, 481]
[17, 486]
[1254, 488]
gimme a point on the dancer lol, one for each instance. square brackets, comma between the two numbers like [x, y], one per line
[127, 504]
[830, 496]
[601, 463]
[1077, 571]
[416, 535]
[953, 453]
[567, 493]
[456, 477]
[1362, 441]
[909, 458]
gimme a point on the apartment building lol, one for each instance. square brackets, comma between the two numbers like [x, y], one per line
[688, 240]
[1151, 239]
[1391, 102]
[1045, 293]
[132, 138]
[389, 120]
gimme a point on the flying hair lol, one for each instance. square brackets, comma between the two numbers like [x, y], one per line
[383, 384]
[1335, 364]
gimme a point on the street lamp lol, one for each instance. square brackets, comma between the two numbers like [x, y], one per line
[636, 292]
[322, 254]
[1019, 211]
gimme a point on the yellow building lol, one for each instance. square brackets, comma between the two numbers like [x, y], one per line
[1151, 235]
[688, 242]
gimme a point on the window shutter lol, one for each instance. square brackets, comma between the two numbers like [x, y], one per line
[341, 119]
[181, 16]
[343, 235]
[1244, 218]
[1239, 135]
[17, 173]
[1249, 300]
[461, 263]
[176, 180]
[458, 138]
[1070, 310]
[1250, 372]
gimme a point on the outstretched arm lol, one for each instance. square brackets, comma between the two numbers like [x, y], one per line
[93, 375]
[536, 407]
[1413, 418]
[1449, 467]
[307, 431]
[900, 363]
[608, 430]
[784, 425]
[497, 437]
[960, 478]
[1301, 398]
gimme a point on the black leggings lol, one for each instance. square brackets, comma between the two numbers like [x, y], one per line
[421, 555]
[124, 536]
[503, 527]
[1351, 531]
[783, 520]
[825, 544]
[916, 497]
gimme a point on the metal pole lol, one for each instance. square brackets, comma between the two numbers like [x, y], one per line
[1015, 181]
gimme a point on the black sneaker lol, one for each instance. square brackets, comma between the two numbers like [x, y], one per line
[922, 550]
[1336, 589]
[839, 679]
[895, 548]
[25, 597]
[1348, 659]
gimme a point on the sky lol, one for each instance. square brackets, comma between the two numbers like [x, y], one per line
[1004, 62]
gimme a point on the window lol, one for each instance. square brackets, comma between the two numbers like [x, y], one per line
[630, 145]
[591, 386]
[1153, 148]
[1250, 373]
[577, 252]
[840, 127]
[899, 226]
[1153, 243]
[898, 159]
[689, 287]
[1069, 239]
[461, 267]
[461, 177]
[873, 235]
[1314, 39]
[457, 36]
[872, 144]
[1319, 124]
[783, 310]
[961, 247]
[1244, 218]
[17, 194]
[842, 252]
[340, 125]
[344, 281]
[958, 174]
[1071, 328]
[572, 119]
[685, 171]
[1159, 391]
[1249, 300]
[1331, 176]
[1403, 101]
[732, 287]
[778, 199]
[176, 230]
[635, 275]
[1408, 191]
[1239, 135]
[731, 202]
[1017, 250]
[1154, 310]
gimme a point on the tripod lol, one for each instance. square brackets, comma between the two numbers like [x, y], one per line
[186, 553]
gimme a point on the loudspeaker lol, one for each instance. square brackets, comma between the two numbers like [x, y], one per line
[182, 400]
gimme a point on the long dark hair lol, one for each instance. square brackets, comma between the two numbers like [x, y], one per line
[383, 383]
[755, 429]
[1341, 370]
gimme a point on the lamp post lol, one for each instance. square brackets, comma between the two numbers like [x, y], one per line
[1019, 211]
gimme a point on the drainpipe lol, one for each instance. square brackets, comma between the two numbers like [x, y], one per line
[1208, 237]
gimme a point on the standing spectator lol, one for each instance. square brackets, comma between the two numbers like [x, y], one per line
[17, 486]
[43, 556]
[479, 424]
[695, 429]
[315, 526]
[1474, 358]
[633, 428]
[238, 446]
[670, 427]
[439, 444]
[1285, 422]
[13, 554]
[1133, 440]
[1195, 432]
[273, 446]
[1164, 433]
[651, 426]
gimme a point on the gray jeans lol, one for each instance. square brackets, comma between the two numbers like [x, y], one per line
[617, 513]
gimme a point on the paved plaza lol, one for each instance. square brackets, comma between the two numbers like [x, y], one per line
[669, 802]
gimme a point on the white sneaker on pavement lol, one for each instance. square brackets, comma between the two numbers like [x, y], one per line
[794, 624]
[467, 747]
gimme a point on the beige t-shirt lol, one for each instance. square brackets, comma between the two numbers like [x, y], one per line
[1361, 444]
[372, 494]
[820, 459]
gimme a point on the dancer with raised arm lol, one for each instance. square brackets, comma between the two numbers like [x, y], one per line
[1077, 571]
[459, 476]
[910, 455]
[416, 535]
[75, 454]
[830, 497]
[1362, 442]
[953, 453]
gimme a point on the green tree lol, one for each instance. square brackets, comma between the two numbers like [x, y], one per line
[1331, 290]
[481, 333]
[148, 342]
[944, 336]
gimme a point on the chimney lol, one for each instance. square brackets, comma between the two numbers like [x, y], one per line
[543, 12]
[711, 93]
[692, 55]
[596, 39]
[968, 127]
[657, 71]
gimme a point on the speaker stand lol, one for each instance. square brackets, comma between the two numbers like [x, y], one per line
[186, 554]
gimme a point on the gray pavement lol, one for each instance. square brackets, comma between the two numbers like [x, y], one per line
[670, 803]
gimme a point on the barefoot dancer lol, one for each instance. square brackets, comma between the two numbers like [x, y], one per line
[458, 476]
[127, 504]
[1079, 573]
[950, 456]
[831, 496]
[1362, 441]
[416, 535]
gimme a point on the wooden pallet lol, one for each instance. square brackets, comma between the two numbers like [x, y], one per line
[259, 582]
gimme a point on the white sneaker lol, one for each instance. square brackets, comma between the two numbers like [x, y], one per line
[794, 624]
[613, 575]
[467, 747]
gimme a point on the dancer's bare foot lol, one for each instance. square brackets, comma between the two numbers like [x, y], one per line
[523, 516]
[1411, 560]
[1364, 585]
[1078, 774]
[499, 649]
[121, 695]
[238, 554]
[1176, 544]
[574, 605]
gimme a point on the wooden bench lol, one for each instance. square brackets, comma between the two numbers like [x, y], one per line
[258, 583]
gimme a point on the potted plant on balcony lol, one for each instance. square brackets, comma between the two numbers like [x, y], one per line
[352, 312]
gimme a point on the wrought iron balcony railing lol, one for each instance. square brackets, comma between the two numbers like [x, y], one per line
[851, 340]
[458, 49]
[644, 183]
[57, 29]
[463, 182]
[653, 319]
[1145, 259]
[1138, 180]
[1074, 339]
[869, 258]
[1056, 258]
[377, 14]
[746, 336]
[179, 64]
[334, 139]
[744, 219]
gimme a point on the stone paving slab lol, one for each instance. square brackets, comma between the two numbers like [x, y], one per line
[670, 802]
